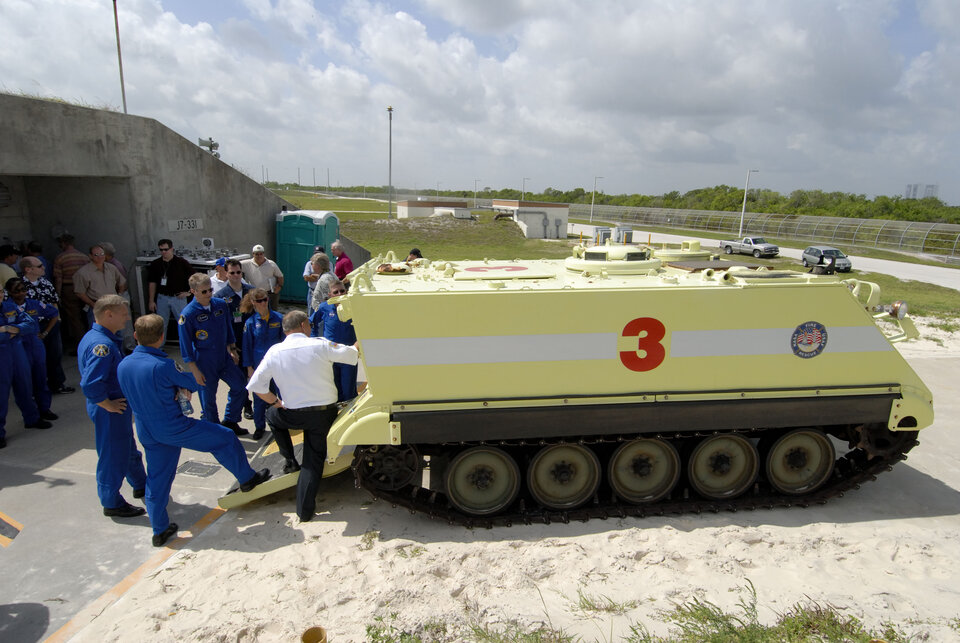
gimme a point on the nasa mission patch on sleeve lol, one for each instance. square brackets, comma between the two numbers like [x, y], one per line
[101, 350]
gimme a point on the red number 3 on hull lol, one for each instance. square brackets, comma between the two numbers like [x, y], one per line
[650, 352]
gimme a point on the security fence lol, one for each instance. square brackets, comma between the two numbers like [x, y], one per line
[917, 237]
[939, 240]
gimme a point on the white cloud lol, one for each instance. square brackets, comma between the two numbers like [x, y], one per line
[654, 96]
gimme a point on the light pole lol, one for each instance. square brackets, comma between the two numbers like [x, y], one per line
[475, 183]
[523, 190]
[743, 210]
[390, 167]
[116, 22]
[593, 196]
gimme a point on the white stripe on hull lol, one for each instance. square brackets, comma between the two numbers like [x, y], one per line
[505, 349]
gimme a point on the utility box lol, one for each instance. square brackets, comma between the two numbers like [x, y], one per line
[298, 233]
[624, 234]
[602, 234]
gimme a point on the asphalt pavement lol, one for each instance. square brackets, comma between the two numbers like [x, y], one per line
[58, 552]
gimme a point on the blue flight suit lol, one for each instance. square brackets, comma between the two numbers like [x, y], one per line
[150, 380]
[35, 349]
[325, 323]
[204, 337]
[258, 336]
[98, 355]
[237, 318]
[15, 367]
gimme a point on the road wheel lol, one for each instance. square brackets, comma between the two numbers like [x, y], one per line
[563, 476]
[644, 470]
[756, 254]
[728, 250]
[723, 466]
[482, 481]
[800, 462]
[805, 264]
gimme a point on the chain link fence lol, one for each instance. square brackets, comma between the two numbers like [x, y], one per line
[937, 240]
[941, 240]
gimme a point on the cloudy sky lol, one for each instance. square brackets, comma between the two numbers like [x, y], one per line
[653, 95]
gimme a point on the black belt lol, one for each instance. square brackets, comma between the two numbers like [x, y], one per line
[322, 407]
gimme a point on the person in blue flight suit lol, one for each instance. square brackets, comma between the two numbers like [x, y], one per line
[151, 382]
[15, 369]
[209, 350]
[263, 329]
[98, 355]
[233, 293]
[45, 316]
[325, 323]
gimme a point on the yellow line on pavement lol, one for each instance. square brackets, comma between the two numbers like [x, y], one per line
[85, 616]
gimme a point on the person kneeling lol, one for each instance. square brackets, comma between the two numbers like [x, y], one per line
[151, 382]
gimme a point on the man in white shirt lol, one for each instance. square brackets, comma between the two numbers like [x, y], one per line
[302, 368]
[261, 272]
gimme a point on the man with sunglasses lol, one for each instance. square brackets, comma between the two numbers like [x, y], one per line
[233, 293]
[168, 278]
[209, 350]
[40, 288]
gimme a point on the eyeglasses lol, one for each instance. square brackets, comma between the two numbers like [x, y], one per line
[204, 292]
[96, 254]
[165, 249]
[257, 254]
[261, 301]
[234, 272]
[338, 292]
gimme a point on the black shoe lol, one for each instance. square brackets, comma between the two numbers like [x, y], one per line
[139, 493]
[3, 443]
[290, 466]
[260, 476]
[235, 427]
[258, 434]
[248, 412]
[65, 389]
[305, 517]
[48, 415]
[126, 511]
[39, 424]
[165, 535]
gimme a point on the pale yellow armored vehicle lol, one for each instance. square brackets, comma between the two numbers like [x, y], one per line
[617, 383]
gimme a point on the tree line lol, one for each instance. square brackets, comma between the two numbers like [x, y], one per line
[723, 198]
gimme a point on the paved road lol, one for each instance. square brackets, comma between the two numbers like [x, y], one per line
[941, 276]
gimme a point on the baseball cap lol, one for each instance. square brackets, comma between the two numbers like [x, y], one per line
[222, 261]
[257, 248]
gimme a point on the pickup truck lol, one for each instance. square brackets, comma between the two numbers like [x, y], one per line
[755, 246]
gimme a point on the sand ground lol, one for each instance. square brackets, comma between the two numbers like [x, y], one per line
[887, 552]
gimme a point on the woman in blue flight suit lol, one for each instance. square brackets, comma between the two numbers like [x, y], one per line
[263, 329]
[325, 323]
[33, 344]
[14, 367]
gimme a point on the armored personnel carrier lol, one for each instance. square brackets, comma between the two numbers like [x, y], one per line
[617, 383]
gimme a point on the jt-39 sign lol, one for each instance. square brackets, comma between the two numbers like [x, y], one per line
[184, 225]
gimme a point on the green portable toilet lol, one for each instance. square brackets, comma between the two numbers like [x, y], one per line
[298, 233]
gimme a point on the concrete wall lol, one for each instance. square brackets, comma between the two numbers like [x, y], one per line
[105, 176]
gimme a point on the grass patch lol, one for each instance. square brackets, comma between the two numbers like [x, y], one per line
[702, 621]
[445, 237]
[587, 603]
[368, 539]
[410, 551]
[515, 633]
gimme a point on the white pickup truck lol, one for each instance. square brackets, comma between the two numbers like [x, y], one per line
[756, 246]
